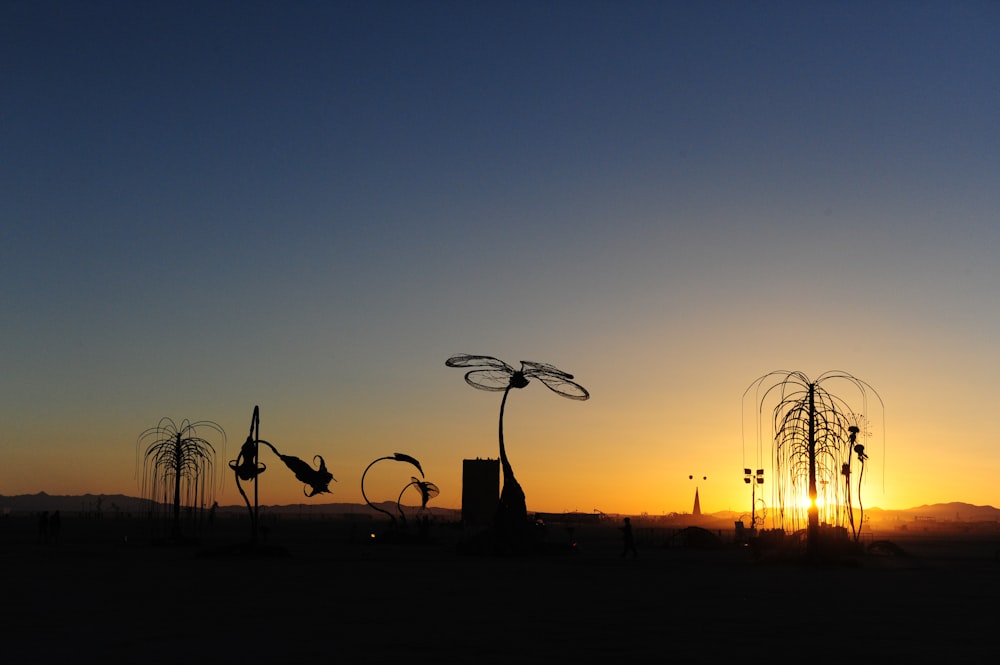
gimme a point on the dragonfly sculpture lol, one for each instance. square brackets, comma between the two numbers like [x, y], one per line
[494, 375]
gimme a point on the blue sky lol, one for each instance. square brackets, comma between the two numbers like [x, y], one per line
[309, 206]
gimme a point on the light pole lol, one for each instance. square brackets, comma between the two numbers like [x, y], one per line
[753, 482]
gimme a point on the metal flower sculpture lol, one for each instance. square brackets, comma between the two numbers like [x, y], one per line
[845, 470]
[398, 457]
[494, 375]
[177, 462]
[248, 467]
[813, 435]
[427, 492]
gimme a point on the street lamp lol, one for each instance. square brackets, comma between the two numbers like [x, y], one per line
[753, 481]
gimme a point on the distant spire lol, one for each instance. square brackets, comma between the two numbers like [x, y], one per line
[697, 503]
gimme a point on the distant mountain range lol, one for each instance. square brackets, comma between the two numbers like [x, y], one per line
[954, 511]
[110, 505]
[119, 504]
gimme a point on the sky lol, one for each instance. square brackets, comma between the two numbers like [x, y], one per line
[310, 206]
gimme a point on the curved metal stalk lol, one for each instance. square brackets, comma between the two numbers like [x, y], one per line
[512, 499]
[398, 457]
[494, 375]
[427, 491]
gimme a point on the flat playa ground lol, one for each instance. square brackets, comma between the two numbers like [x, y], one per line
[336, 594]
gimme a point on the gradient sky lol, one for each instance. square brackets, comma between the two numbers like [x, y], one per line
[310, 206]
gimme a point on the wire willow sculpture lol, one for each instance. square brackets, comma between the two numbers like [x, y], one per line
[397, 457]
[813, 435]
[248, 467]
[178, 466]
[494, 375]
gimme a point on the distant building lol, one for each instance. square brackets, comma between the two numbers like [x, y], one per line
[480, 491]
[697, 504]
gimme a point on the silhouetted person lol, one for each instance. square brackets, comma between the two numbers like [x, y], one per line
[423, 526]
[628, 539]
[43, 527]
[54, 528]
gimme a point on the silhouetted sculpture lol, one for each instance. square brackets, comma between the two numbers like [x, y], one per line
[814, 434]
[318, 480]
[494, 375]
[397, 457]
[427, 492]
[178, 461]
[248, 467]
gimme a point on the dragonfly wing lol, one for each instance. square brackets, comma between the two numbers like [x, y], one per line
[531, 368]
[557, 380]
[559, 383]
[485, 362]
[494, 380]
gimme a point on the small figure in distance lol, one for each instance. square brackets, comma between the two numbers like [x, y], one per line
[54, 523]
[628, 540]
[43, 527]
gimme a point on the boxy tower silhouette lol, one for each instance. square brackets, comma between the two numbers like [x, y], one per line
[480, 491]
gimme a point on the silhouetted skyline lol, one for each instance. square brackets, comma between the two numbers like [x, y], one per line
[311, 206]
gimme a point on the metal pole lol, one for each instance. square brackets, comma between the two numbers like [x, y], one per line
[813, 530]
[256, 480]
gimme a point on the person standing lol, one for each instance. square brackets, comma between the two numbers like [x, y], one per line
[54, 523]
[43, 527]
[628, 539]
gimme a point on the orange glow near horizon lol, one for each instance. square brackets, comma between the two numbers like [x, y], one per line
[567, 456]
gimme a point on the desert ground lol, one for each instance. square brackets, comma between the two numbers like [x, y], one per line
[325, 591]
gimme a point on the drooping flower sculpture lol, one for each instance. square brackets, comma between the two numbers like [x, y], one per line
[397, 457]
[427, 492]
[494, 375]
[248, 467]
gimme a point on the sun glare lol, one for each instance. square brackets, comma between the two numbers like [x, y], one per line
[805, 503]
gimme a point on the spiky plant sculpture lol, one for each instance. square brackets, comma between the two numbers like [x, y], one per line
[178, 466]
[813, 434]
[490, 374]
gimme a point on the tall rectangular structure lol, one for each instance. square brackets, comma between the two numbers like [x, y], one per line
[480, 491]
